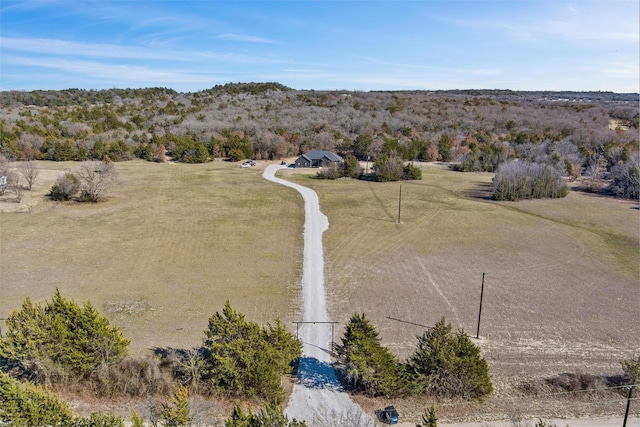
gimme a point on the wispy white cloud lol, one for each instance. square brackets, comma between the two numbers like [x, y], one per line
[418, 67]
[626, 68]
[577, 22]
[113, 72]
[244, 38]
[53, 47]
[99, 51]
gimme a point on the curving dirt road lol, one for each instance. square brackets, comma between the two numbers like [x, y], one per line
[317, 397]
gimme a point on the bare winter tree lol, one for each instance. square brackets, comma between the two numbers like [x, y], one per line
[17, 188]
[96, 179]
[8, 177]
[159, 155]
[29, 172]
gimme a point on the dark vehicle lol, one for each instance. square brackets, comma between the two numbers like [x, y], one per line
[283, 163]
[389, 415]
[291, 166]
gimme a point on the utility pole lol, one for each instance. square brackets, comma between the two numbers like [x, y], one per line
[399, 203]
[480, 311]
[626, 412]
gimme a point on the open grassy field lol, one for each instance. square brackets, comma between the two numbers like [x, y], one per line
[562, 291]
[164, 252]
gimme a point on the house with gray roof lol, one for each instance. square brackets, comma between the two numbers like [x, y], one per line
[317, 159]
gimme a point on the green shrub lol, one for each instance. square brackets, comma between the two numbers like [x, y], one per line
[388, 168]
[271, 416]
[98, 419]
[247, 360]
[448, 364]
[72, 339]
[65, 188]
[370, 367]
[235, 155]
[411, 172]
[25, 404]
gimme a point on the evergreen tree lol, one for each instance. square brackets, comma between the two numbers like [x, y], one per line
[448, 364]
[270, 416]
[25, 404]
[136, 420]
[287, 347]
[444, 147]
[430, 417]
[98, 419]
[370, 367]
[246, 360]
[63, 152]
[72, 338]
[411, 172]
[351, 167]
[176, 412]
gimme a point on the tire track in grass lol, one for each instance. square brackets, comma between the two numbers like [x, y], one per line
[382, 248]
[437, 288]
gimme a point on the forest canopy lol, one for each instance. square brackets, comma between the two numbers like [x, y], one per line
[589, 134]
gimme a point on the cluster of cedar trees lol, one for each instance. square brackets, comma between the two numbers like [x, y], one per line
[62, 345]
[444, 363]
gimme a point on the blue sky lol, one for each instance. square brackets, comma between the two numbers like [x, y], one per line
[322, 45]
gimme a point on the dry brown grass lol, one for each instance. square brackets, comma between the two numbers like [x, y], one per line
[174, 241]
[171, 244]
[561, 289]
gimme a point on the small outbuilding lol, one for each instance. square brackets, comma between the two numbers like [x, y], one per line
[317, 159]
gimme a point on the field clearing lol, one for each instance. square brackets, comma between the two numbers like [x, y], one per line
[164, 252]
[562, 290]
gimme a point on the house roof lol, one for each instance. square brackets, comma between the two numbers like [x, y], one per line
[321, 154]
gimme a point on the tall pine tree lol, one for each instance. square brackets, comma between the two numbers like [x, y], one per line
[449, 364]
[370, 367]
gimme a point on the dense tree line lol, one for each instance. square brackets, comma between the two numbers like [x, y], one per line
[445, 363]
[475, 129]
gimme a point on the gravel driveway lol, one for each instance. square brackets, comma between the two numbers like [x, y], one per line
[317, 397]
